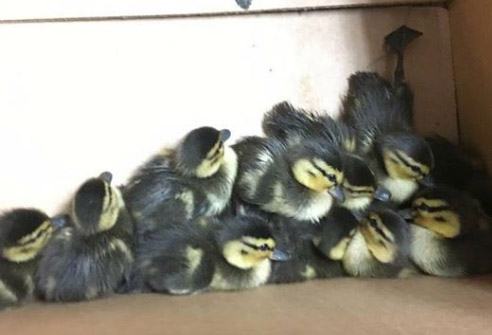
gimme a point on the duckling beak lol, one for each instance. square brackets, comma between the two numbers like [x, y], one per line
[406, 214]
[59, 221]
[427, 181]
[279, 255]
[382, 194]
[225, 134]
[106, 176]
[337, 193]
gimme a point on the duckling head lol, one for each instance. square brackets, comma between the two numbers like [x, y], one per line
[386, 235]
[447, 212]
[23, 233]
[96, 205]
[248, 241]
[359, 186]
[336, 231]
[317, 168]
[201, 152]
[407, 157]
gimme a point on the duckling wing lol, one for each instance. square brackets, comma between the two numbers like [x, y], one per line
[291, 125]
[256, 156]
[156, 195]
[177, 260]
[75, 267]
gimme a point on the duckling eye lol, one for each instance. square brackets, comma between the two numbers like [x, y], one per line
[264, 247]
[439, 219]
[244, 252]
[332, 178]
[422, 207]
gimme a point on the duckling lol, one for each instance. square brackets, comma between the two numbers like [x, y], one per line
[210, 254]
[23, 234]
[463, 170]
[300, 181]
[293, 126]
[314, 253]
[450, 234]
[335, 232]
[178, 184]
[401, 159]
[379, 247]
[92, 257]
[381, 116]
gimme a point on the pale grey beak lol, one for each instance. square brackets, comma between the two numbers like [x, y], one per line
[279, 256]
[60, 221]
[337, 193]
[382, 194]
[225, 134]
[106, 176]
[406, 214]
[427, 181]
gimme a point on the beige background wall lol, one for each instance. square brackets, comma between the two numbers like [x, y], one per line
[471, 27]
[80, 98]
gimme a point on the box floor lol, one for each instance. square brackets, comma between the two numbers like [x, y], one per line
[343, 306]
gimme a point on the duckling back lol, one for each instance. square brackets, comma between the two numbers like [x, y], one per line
[306, 261]
[94, 255]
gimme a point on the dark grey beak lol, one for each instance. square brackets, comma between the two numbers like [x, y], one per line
[337, 193]
[406, 214]
[225, 134]
[279, 256]
[427, 181]
[60, 221]
[244, 4]
[106, 176]
[382, 194]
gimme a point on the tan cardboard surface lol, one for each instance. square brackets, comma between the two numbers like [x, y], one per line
[337, 307]
[471, 23]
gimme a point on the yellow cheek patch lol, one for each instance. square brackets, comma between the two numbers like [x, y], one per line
[446, 224]
[111, 210]
[259, 241]
[213, 151]
[436, 215]
[399, 165]
[242, 256]
[384, 250]
[210, 165]
[357, 191]
[30, 249]
[43, 228]
[314, 174]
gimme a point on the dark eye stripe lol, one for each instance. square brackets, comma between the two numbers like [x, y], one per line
[351, 190]
[110, 196]
[374, 224]
[426, 208]
[216, 153]
[414, 168]
[330, 177]
[35, 237]
[252, 246]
